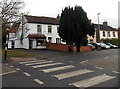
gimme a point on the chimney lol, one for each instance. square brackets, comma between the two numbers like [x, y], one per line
[105, 23]
[58, 17]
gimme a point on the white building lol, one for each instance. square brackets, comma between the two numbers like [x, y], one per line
[36, 32]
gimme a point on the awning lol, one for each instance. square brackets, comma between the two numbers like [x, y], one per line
[36, 36]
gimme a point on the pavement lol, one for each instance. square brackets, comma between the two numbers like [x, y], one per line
[61, 69]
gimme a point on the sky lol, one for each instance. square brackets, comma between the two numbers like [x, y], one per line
[51, 8]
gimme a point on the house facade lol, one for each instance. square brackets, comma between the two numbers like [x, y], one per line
[105, 32]
[34, 33]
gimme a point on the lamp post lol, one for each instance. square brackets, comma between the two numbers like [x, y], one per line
[6, 44]
[98, 39]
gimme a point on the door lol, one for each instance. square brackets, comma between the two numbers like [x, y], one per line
[13, 44]
[30, 44]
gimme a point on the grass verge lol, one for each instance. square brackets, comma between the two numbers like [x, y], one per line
[17, 53]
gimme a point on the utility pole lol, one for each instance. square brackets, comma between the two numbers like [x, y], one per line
[22, 30]
[98, 39]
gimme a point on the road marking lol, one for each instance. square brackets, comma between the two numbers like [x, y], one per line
[46, 65]
[26, 74]
[106, 58]
[17, 69]
[38, 81]
[116, 72]
[71, 74]
[92, 81]
[98, 67]
[30, 61]
[7, 73]
[39, 63]
[6, 63]
[58, 68]
[83, 61]
[11, 66]
[71, 61]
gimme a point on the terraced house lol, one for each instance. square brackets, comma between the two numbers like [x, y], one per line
[105, 32]
[34, 33]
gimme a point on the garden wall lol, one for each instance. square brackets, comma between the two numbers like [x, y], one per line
[64, 47]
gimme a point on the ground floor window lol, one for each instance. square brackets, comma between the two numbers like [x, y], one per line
[49, 39]
[58, 40]
[40, 43]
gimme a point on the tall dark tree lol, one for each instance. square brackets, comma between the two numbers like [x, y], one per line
[74, 26]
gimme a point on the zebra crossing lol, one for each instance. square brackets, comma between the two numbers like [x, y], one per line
[45, 66]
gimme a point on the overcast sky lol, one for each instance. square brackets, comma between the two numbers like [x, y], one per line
[51, 8]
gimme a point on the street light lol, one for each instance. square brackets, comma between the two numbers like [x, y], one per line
[6, 44]
[98, 29]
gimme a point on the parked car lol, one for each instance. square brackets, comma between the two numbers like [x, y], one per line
[97, 46]
[104, 46]
[93, 47]
[112, 46]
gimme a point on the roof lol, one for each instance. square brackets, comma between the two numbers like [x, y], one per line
[15, 27]
[105, 27]
[36, 35]
[43, 20]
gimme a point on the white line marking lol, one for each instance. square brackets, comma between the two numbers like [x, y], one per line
[106, 58]
[11, 66]
[7, 73]
[17, 69]
[31, 61]
[83, 61]
[26, 74]
[98, 67]
[38, 81]
[6, 63]
[92, 81]
[116, 72]
[46, 65]
[58, 68]
[39, 63]
[71, 74]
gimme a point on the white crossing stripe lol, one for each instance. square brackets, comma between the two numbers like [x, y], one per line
[26, 74]
[17, 69]
[38, 81]
[71, 74]
[92, 81]
[7, 73]
[83, 61]
[30, 61]
[58, 68]
[39, 62]
[46, 65]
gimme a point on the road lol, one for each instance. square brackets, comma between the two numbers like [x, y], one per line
[62, 69]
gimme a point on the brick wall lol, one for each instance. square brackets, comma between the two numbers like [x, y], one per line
[60, 47]
[64, 47]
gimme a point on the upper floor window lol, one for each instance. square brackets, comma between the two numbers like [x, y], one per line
[49, 29]
[103, 33]
[57, 29]
[108, 34]
[39, 28]
[113, 34]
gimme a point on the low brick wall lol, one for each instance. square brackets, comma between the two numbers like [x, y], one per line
[60, 47]
[82, 49]
[64, 47]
